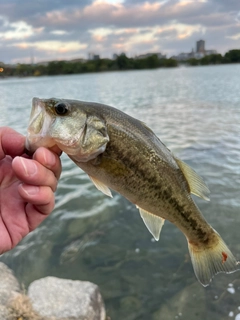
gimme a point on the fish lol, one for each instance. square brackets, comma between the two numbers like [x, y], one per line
[123, 154]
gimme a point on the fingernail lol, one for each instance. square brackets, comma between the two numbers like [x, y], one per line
[30, 190]
[29, 166]
[50, 159]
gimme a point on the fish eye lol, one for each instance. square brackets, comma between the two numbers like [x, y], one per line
[61, 109]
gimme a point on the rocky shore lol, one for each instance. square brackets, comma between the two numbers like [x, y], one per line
[49, 298]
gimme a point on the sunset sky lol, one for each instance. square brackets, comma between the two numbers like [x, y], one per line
[60, 29]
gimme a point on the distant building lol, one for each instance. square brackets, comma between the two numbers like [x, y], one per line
[208, 52]
[144, 56]
[77, 60]
[200, 52]
[199, 55]
[200, 46]
[115, 55]
[181, 56]
[191, 54]
[93, 56]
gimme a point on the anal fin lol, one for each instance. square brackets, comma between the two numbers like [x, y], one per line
[101, 187]
[153, 223]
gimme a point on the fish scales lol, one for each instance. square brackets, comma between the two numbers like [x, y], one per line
[120, 152]
[144, 176]
[151, 189]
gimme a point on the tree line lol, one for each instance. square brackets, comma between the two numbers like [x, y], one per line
[232, 56]
[122, 62]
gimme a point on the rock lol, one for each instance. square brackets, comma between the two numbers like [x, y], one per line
[5, 313]
[20, 307]
[66, 299]
[9, 285]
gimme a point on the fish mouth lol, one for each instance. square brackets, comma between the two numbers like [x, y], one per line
[38, 126]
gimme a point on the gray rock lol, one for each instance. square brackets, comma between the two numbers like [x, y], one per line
[8, 284]
[5, 313]
[66, 299]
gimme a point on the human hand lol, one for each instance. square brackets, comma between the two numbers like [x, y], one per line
[26, 187]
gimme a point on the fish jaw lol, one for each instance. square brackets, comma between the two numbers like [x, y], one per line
[38, 127]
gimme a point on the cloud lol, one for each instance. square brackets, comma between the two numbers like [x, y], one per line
[17, 30]
[16, 10]
[99, 14]
[68, 28]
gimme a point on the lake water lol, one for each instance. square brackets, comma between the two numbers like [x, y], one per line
[196, 113]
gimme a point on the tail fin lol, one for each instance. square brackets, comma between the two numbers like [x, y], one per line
[208, 261]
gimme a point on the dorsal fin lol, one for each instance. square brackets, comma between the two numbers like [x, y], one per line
[153, 223]
[196, 184]
[101, 186]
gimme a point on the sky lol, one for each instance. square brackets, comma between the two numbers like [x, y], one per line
[44, 30]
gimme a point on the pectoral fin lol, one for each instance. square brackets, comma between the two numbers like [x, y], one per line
[152, 222]
[101, 186]
[196, 184]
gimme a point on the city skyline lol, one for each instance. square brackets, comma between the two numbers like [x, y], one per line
[68, 30]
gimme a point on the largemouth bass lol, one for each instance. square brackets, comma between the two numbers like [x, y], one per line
[121, 153]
